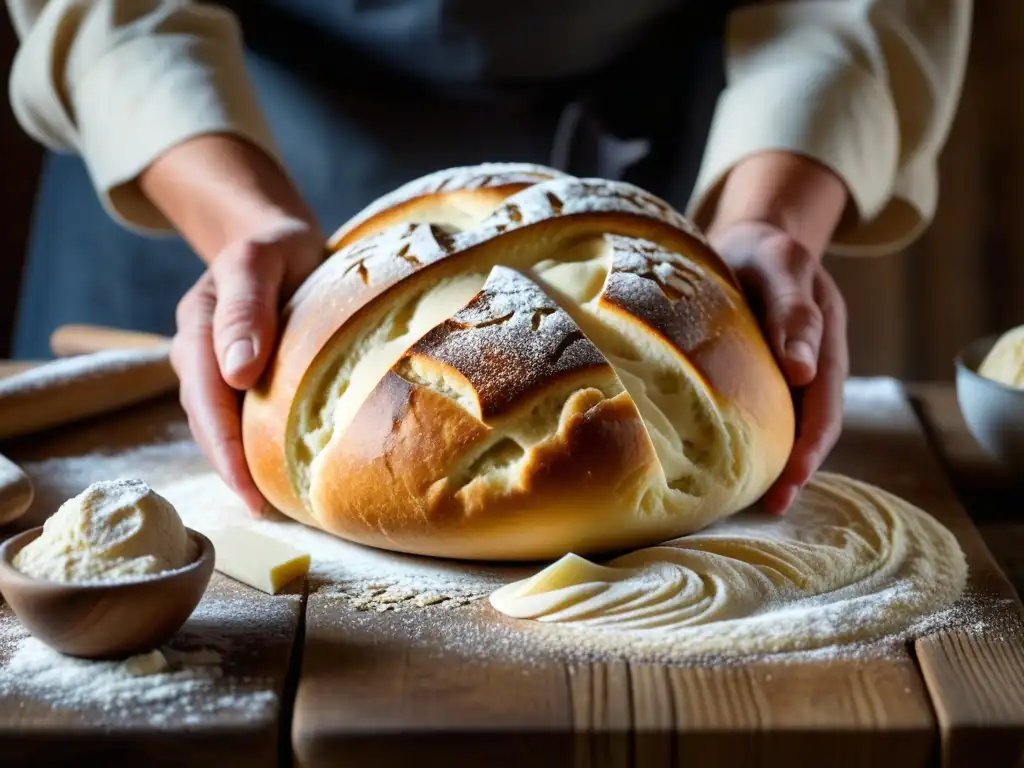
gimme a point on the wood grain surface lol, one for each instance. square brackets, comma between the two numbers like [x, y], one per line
[254, 633]
[387, 689]
[255, 645]
[373, 692]
[856, 711]
[976, 680]
[991, 492]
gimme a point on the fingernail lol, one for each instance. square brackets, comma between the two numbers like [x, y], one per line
[784, 500]
[240, 353]
[801, 352]
[787, 503]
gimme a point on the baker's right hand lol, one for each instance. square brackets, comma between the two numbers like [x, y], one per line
[227, 330]
[237, 208]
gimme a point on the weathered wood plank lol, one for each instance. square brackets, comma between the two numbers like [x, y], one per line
[988, 489]
[991, 494]
[239, 639]
[975, 691]
[372, 694]
[977, 685]
[235, 648]
[859, 713]
[367, 680]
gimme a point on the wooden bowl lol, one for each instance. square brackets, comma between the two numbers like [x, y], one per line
[105, 621]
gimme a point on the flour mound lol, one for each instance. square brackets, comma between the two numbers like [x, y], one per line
[112, 531]
[849, 562]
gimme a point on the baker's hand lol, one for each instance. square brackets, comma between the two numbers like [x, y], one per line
[227, 330]
[804, 318]
[243, 216]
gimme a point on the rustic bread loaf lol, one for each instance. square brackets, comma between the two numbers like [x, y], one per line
[505, 362]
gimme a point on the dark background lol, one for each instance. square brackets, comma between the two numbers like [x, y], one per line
[909, 312]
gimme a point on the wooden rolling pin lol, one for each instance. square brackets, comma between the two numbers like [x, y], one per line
[16, 492]
[87, 385]
[71, 340]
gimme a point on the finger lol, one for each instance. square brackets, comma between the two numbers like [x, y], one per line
[211, 405]
[821, 403]
[248, 282]
[784, 278]
[780, 497]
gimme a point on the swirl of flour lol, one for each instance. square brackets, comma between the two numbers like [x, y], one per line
[849, 562]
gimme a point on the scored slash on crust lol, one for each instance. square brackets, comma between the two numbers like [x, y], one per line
[525, 356]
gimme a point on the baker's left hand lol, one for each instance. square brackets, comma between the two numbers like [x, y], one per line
[804, 319]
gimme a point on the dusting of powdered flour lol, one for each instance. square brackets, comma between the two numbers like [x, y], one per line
[367, 579]
[198, 681]
[477, 633]
[433, 600]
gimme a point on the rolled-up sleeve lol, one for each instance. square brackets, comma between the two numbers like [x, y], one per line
[122, 81]
[868, 88]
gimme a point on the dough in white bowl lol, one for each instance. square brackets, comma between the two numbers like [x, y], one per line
[1005, 361]
[849, 562]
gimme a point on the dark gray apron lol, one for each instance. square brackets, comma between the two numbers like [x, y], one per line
[351, 125]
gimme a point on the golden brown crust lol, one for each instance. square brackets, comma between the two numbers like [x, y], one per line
[473, 190]
[389, 488]
[439, 209]
[503, 431]
[710, 325]
[355, 285]
[510, 341]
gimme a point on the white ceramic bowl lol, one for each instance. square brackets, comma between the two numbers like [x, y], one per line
[994, 412]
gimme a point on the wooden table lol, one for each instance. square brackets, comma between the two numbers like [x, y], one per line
[368, 691]
[992, 495]
[240, 716]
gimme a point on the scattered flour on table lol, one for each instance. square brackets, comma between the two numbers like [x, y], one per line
[366, 578]
[448, 597]
[370, 579]
[476, 633]
[879, 568]
[186, 681]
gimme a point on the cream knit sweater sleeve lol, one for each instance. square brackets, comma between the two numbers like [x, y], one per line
[122, 81]
[867, 87]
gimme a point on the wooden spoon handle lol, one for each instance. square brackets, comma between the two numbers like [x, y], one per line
[16, 491]
[83, 339]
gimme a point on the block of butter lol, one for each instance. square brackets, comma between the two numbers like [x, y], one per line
[258, 560]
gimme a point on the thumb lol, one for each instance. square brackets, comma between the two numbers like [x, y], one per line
[248, 283]
[793, 320]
